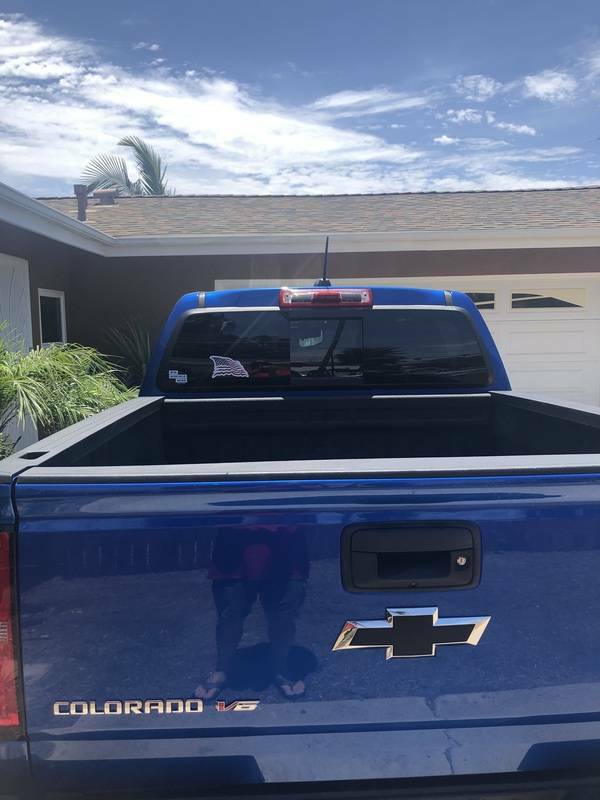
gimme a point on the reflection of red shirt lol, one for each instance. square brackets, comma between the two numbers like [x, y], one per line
[265, 553]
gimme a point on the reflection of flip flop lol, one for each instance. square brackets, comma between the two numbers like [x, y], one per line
[291, 690]
[211, 687]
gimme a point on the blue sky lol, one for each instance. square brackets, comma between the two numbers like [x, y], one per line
[275, 96]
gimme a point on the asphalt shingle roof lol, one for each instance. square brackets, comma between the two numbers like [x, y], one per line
[229, 214]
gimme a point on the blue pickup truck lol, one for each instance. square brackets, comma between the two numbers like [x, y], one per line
[326, 553]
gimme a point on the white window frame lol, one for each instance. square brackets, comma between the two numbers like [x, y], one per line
[63, 316]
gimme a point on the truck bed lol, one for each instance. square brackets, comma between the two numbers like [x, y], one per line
[377, 431]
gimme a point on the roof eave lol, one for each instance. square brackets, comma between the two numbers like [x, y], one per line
[23, 211]
[343, 242]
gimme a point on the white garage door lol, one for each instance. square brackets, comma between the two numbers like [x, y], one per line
[547, 328]
[15, 311]
[548, 333]
[15, 303]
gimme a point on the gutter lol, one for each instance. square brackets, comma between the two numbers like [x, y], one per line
[371, 242]
[22, 211]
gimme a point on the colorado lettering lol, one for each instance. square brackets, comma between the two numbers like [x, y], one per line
[92, 708]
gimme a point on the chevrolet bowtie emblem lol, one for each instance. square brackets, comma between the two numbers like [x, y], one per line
[411, 632]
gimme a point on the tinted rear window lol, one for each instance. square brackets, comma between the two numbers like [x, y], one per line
[404, 348]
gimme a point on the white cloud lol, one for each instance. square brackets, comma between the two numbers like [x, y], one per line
[152, 46]
[483, 143]
[293, 67]
[591, 63]
[540, 154]
[498, 182]
[477, 87]
[443, 139]
[135, 21]
[511, 127]
[464, 115]
[351, 103]
[28, 53]
[550, 85]
[33, 68]
[214, 134]
[60, 104]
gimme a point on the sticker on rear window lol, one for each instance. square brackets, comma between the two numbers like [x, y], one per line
[178, 377]
[224, 367]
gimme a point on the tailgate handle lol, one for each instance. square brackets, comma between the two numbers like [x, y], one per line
[411, 556]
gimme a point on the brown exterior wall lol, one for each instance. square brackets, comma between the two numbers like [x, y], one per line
[468, 262]
[51, 265]
[109, 291]
[101, 292]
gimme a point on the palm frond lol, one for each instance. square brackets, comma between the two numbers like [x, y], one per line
[54, 386]
[149, 163]
[106, 171]
[131, 344]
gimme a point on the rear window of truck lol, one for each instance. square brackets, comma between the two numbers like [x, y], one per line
[404, 348]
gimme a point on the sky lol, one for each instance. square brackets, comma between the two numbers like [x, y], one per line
[304, 96]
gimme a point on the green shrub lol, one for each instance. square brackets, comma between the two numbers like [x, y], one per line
[130, 344]
[53, 386]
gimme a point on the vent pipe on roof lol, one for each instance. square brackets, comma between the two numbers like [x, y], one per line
[105, 197]
[81, 193]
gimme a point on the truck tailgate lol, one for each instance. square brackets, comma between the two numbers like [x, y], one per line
[121, 586]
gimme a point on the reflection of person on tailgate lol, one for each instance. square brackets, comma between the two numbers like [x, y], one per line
[266, 563]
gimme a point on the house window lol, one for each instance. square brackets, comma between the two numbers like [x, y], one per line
[549, 298]
[483, 300]
[53, 328]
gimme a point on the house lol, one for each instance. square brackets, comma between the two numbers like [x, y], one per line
[71, 266]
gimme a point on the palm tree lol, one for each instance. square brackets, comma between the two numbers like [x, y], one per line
[107, 171]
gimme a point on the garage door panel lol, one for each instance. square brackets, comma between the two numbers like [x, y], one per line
[558, 377]
[569, 336]
[552, 342]
[553, 358]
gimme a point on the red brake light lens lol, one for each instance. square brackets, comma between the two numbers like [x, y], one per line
[9, 707]
[311, 298]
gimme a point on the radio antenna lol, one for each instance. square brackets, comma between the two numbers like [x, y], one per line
[324, 281]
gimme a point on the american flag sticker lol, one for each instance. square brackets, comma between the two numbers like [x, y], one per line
[224, 367]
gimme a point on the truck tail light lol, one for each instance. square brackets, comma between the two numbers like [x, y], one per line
[313, 298]
[9, 704]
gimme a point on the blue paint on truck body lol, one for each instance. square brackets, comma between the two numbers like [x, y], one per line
[120, 584]
[135, 618]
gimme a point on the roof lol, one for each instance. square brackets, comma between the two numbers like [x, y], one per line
[370, 213]
[248, 226]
